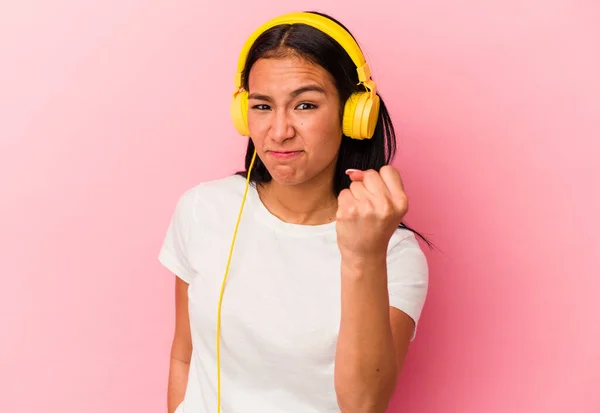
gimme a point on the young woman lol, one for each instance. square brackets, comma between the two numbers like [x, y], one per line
[324, 285]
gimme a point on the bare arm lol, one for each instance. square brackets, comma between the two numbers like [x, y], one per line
[373, 339]
[181, 348]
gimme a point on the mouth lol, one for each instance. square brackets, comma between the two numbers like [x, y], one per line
[284, 154]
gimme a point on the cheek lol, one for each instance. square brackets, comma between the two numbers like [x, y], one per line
[332, 145]
[323, 137]
[325, 142]
[256, 125]
[328, 133]
[324, 123]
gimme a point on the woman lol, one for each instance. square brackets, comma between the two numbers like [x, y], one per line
[325, 285]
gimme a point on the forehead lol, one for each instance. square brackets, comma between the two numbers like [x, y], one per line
[276, 72]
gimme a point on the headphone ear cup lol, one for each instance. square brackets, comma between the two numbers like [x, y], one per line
[239, 112]
[360, 116]
[349, 118]
[369, 117]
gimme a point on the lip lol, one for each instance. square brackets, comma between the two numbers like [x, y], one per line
[284, 154]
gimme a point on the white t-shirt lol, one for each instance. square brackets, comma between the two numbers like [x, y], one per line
[281, 307]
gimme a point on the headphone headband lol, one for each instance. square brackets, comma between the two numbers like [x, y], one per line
[321, 23]
[361, 109]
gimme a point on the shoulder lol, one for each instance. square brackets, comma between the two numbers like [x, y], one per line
[200, 218]
[402, 240]
[406, 258]
[214, 194]
[408, 275]
[229, 186]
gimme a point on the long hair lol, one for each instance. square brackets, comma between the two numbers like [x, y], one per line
[319, 48]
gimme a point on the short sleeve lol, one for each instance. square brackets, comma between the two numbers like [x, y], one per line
[408, 275]
[174, 252]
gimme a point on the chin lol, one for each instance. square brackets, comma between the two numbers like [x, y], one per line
[287, 180]
[287, 176]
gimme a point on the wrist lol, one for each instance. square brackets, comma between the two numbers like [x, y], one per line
[366, 263]
[366, 257]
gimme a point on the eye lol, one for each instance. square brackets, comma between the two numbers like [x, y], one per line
[261, 107]
[306, 106]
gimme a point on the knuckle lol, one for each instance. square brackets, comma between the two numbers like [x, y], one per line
[386, 209]
[403, 202]
[344, 194]
[367, 209]
[352, 211]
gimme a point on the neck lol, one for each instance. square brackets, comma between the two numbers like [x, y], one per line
[309, 203]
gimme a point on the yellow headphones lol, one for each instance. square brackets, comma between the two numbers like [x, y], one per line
[360, 110]
[360, 117]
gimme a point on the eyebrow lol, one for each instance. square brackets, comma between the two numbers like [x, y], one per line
[295, 93]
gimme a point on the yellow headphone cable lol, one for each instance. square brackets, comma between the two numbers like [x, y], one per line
[225, 280]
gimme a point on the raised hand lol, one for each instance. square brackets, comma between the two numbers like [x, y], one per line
[370, 211]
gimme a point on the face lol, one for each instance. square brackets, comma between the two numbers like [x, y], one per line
[294, 119]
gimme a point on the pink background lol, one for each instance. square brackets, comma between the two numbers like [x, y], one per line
[110, 109]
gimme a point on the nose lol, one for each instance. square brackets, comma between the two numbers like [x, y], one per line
[281, 126]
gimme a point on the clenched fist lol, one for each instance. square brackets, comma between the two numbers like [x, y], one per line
[370, 211]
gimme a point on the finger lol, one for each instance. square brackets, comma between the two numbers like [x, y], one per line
[371, 179]
[357, 187]
[346, 205]
[345, 198]
[355, 174]
[358, 190]
[375, 184]
[393, 181]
